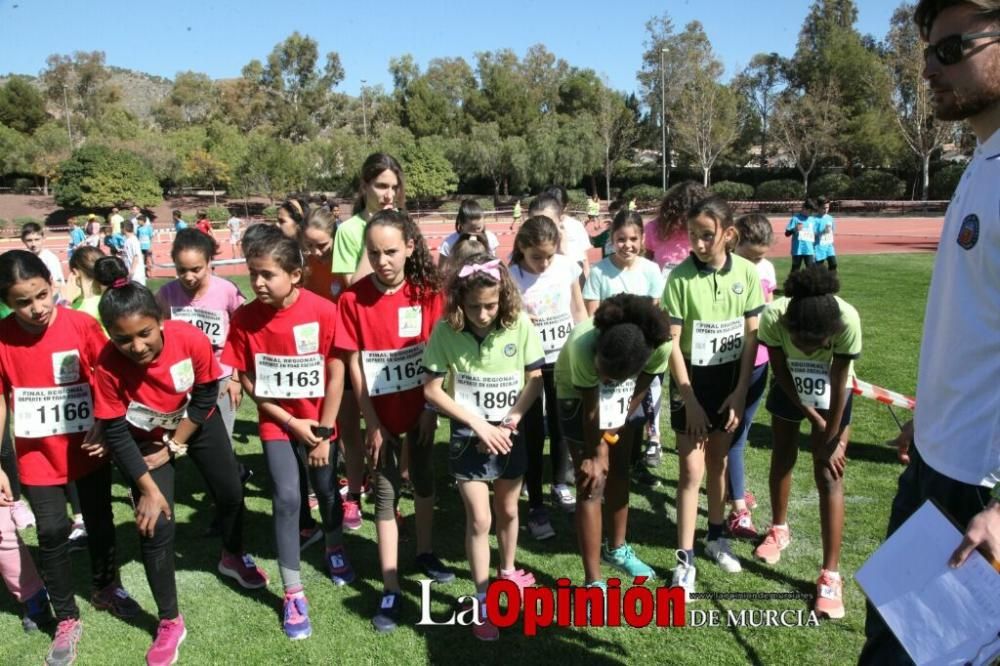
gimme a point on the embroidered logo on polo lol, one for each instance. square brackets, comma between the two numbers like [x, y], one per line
[510, 349]
[968, 233]
[738, 288]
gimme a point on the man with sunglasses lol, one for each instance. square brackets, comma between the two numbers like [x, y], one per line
[953, 445]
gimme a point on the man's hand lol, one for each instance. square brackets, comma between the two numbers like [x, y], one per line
[983, 533]
[903, 442]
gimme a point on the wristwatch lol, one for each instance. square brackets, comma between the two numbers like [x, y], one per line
[508, 423]
[323, 432]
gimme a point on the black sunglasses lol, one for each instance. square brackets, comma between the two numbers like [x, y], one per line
[951, 50]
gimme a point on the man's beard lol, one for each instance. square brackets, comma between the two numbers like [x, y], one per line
[969, 103]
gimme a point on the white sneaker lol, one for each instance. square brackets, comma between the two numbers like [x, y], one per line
[563, 497]
[719, 551]
[77, 537]
[684, 575]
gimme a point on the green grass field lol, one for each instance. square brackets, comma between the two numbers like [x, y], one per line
[227, 625]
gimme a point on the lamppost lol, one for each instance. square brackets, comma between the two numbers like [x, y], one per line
[663, 120]
[364, 112]
[69, 129]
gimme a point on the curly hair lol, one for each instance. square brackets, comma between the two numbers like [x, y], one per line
[629, 328]
[813, 314]
[460, 287]
[675, 205]
[419, 270]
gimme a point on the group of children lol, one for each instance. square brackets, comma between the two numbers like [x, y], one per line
[811, 233]
[358, 320]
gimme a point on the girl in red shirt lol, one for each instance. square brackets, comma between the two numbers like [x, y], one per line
[155, 391]
[282, 345]
[47, 356]
[385, 320]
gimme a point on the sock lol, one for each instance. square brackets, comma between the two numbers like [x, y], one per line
[833, 574]
[782, 526]
[294, 590]
[714, 531]
[506, 572]
[290, 579]
[690, 555]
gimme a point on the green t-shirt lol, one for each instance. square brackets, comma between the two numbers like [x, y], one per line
[348, 245]
[575, 367]
[712, 305]
[847, 344]
[485, 376]
[4, 310]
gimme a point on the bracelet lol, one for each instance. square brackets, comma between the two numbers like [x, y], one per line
[235, 379]
[285, 427]
[175, 447]
[610, 439]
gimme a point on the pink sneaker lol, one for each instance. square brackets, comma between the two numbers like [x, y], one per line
[777, 540]
[740, 525]
[829, 595]
[484, 630]
[520, 577]
[22, 515]
[167, 644]
[352, 515]
[244, 570]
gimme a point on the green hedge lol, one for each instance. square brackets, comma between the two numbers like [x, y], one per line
[486, 203]
[877, 185]
[732, 191]
[780, 190]
[217, 213]
[643, 193]
[831, 185]
[945, 180]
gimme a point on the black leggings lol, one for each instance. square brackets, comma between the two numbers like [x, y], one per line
[8, 461]
[49, 505]
[209, 451]
[799, 259]
[534, 435]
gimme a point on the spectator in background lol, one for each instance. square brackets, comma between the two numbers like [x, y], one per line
[179, 222]
[133, 253]
[204, 225]
[33, 238]
[115, 220]
[114, 242]
[93, 230]
[144, 231]
[76, 235]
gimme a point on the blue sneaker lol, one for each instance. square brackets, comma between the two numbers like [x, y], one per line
[625, 560]
[37, 612]
[341, 572]
[296, 623]
[603, 587]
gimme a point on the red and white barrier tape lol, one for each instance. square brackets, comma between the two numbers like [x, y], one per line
[885, 396]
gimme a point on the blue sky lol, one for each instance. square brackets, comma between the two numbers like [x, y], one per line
[218, 37]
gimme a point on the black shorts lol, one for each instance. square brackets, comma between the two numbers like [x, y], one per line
[712, 385]
[779, 405]
[570, 412]
[466, 463]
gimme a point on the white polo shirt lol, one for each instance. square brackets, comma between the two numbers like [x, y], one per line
[957, 420]
[576, 240]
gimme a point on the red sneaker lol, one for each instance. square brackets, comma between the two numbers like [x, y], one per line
[352, 515]
[829, 595]
[740, 525]
[243, 569]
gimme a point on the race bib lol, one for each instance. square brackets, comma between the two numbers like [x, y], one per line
[411, 320]
[393, 371]
[148, 419]
[209, 322]
[289, 376]
[716, 342]
[826, 238]
[40, 412]
[806, 234]
[613, 402]
[488, 396]
[66, 367]
[554, 331]
[812, 382]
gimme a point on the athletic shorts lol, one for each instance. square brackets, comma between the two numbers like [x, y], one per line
[781, 406]
[712, 385]
[570, 412]
[466, 463]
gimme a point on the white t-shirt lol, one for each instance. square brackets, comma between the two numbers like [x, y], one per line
[445, 249]
[957, 419]
[576, 240]
[51, 262]
[548, 300]
[133, 250]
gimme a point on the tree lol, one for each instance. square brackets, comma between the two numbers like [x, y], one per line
[300, 99]
[201, 167]
[98, 177]
[707, 121]
[616, 129]
[191, 100]
[806, 127]
[243, 101]
[760, 83]
[428, 172]
[22, 107]
[910, 94]
[15, 151]
[82, 82]
[503, 96]
[272, 167]
[51, 148]
[484, 153]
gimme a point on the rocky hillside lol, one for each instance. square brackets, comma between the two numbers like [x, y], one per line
[140, 91]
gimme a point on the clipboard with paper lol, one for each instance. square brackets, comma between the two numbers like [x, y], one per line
[940, 615]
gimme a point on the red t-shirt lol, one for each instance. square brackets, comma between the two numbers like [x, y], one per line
[319, 280]
[204, 226]
[376, 323]
[287, 352]
[60, 359]
[153, 397]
